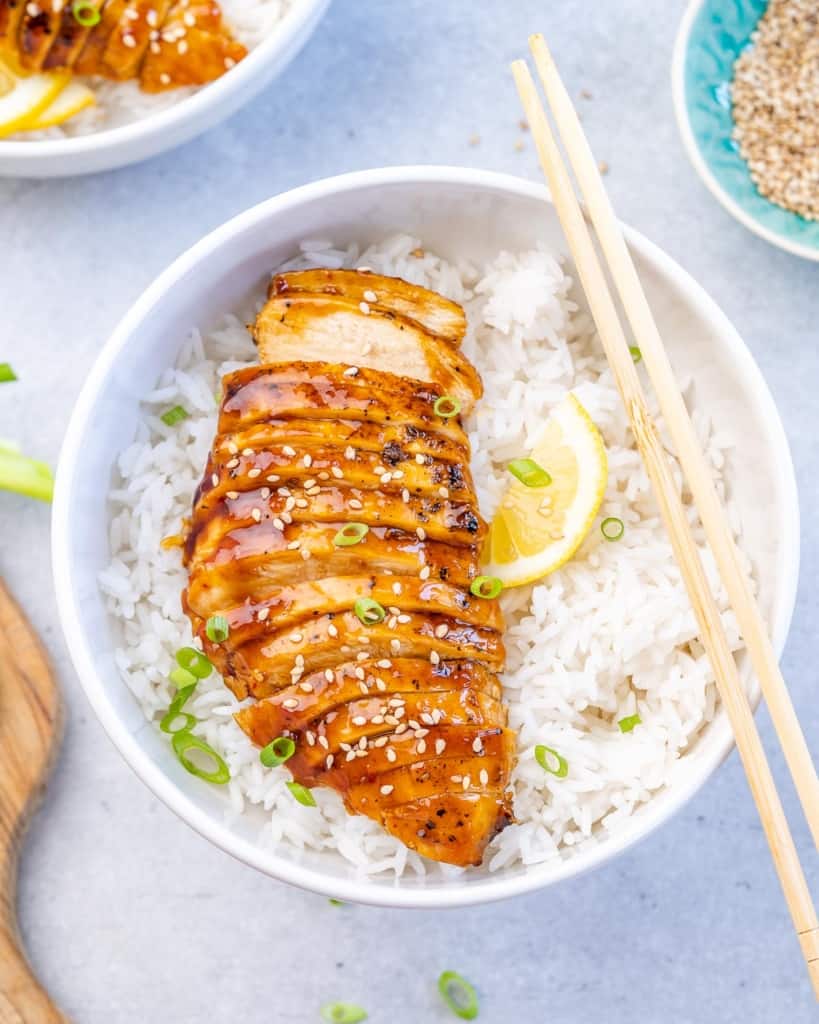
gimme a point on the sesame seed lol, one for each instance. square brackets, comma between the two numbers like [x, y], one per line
[323, 742]
[232, 447]
[263, 613]
[349, 452]
[398, 474]
[294, 545]
[377, 719]
[290, 504]
[181, 48]
[361, 656]
[355, 503]
[440, 746]
[484, 777]
[390, 754]
[312, 491]
[307, 687]
[215, 479]
[305, 554]
[253, 473]
[441, 631]
[287, 450]
[328, 762]
[351, 371]
[309, 483]
[278, 523]
[443, 492]
[477, 745]
[337, 473]
[466, 782]
[291, 703]
[232, 464]
[421, 533]
[385, 478]
[404, 619]
[370, 296]
[233, 495]
[302, 503]
[229, 63]
[152, 17]
[350, 756]
[455, 778]
[395, 645]
[424, 573]
[364, 307]
[396, 588]
[401, 727]
[421, 747]
[405, 496]
[296, 638]
[265, 492]
[308, 461]
[380, 685]
[359, 720]
[311, 738]
[360, 673]
[362, 743]
[420, 459]
[332, 630]
[329, 675]
[272, 479]
[256, 513]
[426, 718]
[382, 741]
[189, 19]
[32, 10]
[434, 657]
[300, 660]
[386, 790]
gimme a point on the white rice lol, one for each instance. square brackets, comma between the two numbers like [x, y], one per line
[121, 103]
[610, 634]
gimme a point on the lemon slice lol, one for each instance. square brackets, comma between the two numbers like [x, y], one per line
[28, 98]
[538, 529]
[70, 101]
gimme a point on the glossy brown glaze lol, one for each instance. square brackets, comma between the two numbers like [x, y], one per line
[403, 717]
[161, 44]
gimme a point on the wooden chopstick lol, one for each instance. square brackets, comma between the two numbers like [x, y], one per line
[712, 634]
[720, 539]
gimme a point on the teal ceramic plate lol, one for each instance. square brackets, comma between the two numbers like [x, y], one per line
[712, 35]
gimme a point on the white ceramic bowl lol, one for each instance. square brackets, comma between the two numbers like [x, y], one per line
[454, 211]
[104, 150]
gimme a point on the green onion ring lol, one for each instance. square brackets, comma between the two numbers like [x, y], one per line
[194, 662]
[350, 533]
[178, 413]
[529, 472]
[277, 752]
[636, 354]
[343, 1013]
[217, 629]
[336, 903]
[487, 587]
[446, 407]
[458, 995]
[6, 373]
[87, 20]
[369, 612]
[171, 715]
[612, 528]
[301, 794]
[182, 697]
[627, 724]
[181, 677]
[185, 741]
[542, 755]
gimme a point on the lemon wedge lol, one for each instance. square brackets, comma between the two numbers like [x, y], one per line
[70, 101]
[538, 529]
[27, 98]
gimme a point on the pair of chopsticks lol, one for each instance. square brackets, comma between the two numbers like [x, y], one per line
[698, 475]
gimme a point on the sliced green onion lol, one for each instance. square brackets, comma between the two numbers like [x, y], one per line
[636, 354]
[173, 715]
[174, 416]
[627, 724]
[181, 677]
[6, 373]
[194, 662]
[302, 794]
[183, 695]
[612, 528]
[343, 1013]
[446, 407]
[217, 629]
[546, 756]
[458, 995]
[185, 741]
[86, 13]
[336, 903]
[370, 612]
[529, 472]
[277, 752]
[350, 533]
[487, 587]
[25, 476]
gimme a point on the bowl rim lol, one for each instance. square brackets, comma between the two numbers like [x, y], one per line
[701, 166]
[361, 890]
[213, 94]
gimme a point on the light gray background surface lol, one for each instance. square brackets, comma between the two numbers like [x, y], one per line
[130, 917]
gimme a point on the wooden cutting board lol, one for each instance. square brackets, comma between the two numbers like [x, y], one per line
[30, 727]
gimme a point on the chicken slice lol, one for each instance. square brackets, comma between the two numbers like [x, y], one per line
[194, 48]
[429, 310]
[261, 667]
[127, 44]
[317, 327]
[325, 390]
[91, 59]
[451, 827]
[11, 14]
[68, 42]
[253, 559]
[37, 30]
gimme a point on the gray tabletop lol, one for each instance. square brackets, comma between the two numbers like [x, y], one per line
[129, 916]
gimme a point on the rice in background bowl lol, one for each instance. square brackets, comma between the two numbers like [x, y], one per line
[486, 213]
